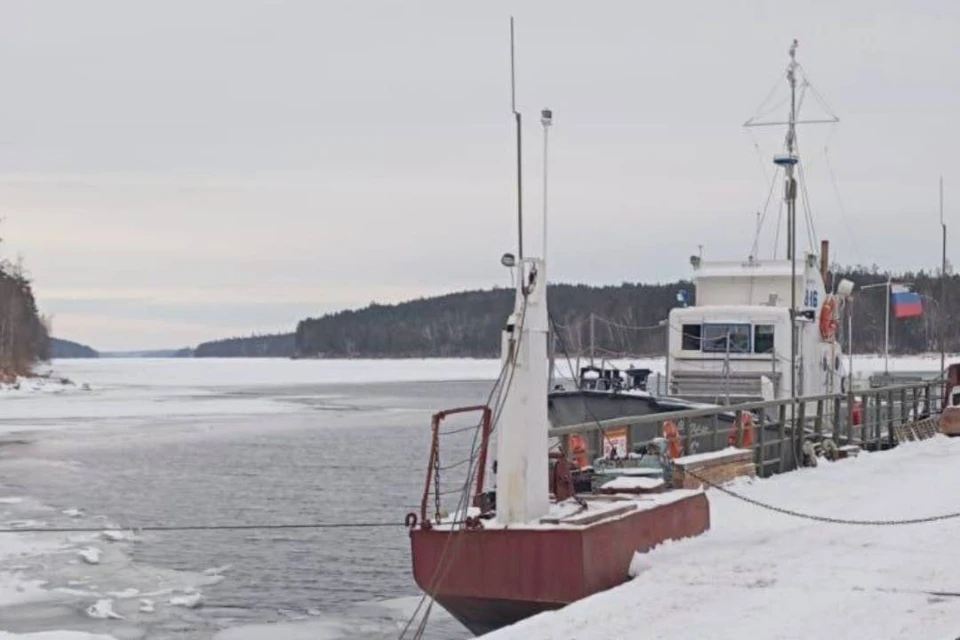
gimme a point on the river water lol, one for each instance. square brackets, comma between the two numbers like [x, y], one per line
[182, 443]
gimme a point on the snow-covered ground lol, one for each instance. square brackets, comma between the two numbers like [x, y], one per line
[761, 574]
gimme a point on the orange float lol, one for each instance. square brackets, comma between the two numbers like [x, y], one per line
[746, 425]
[672, 435]
[578, 447]
[828, 318]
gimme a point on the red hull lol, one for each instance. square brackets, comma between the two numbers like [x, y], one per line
[490, 578]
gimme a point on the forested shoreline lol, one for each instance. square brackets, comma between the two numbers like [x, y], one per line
[627, 321]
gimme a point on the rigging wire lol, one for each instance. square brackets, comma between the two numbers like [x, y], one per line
[776, 236]
[766, 206]
[843, 210]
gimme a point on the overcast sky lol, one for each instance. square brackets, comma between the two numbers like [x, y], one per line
[177, 171]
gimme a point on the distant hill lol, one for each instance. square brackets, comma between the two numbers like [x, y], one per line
[627, 322]
[60, 349]
[468, 324]
[279, 345]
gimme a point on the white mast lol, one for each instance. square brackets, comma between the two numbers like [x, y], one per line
[522, 425]
[788, 161]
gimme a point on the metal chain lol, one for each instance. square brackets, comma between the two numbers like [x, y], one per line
[436, 483]
[817, 518]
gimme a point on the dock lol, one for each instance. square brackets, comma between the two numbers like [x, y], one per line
[760, 573]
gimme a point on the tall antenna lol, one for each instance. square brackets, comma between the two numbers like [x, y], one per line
[943, 290]
[546, 120]
[516, 116]
[788, 161]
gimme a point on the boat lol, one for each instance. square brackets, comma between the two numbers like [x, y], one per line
[522, 537]
[949, 419]
[526, 541]
[759, 329]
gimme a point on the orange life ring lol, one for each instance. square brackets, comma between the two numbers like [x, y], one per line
[746, 425]
[578, 447]
[672, 434]
[828, 318]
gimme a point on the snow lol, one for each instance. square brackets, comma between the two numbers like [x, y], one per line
[103, 610]
[241, 372]
[115, 535]
[709, 455]
[127, 388]
[90, 555]
[761, 574]
[190, 600]
[629, 483]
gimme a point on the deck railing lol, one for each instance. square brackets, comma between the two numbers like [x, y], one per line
[782, 427]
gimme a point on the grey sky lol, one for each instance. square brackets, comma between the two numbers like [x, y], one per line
[180, 171]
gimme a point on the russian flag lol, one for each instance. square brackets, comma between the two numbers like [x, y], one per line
[906, 303]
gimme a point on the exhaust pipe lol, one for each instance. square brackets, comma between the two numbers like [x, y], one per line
[825, 262]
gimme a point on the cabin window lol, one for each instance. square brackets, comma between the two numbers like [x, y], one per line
[716, 337]
[691, 337]
[763, 338]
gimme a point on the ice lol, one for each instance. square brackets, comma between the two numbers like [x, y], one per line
[761, 574]
[53, 635]
[105, 373]
[190, 600]
[147, 606]
[103, 610]
[73, 513]
[115, 535]
[306, 630]
[216, 571]
[90, 555]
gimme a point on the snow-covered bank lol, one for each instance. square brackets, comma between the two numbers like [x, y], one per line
[761, 574]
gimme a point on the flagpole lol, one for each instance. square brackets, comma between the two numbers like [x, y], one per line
[943, 290]
[886, 337]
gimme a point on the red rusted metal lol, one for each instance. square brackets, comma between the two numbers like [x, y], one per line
[561, 480]
[484, 443]
[496, 577]
[949, 420]
[435, 450]
[434, 445]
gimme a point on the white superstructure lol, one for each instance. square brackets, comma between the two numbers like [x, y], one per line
[738, 332]
[762, 328]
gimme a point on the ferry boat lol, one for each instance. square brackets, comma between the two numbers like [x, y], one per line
[759, 329]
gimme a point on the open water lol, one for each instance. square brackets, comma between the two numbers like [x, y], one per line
[331, 453]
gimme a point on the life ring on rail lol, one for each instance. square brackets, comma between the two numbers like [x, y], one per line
[828, 318]
[578, 448]
[672, 435]
[746, 425]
